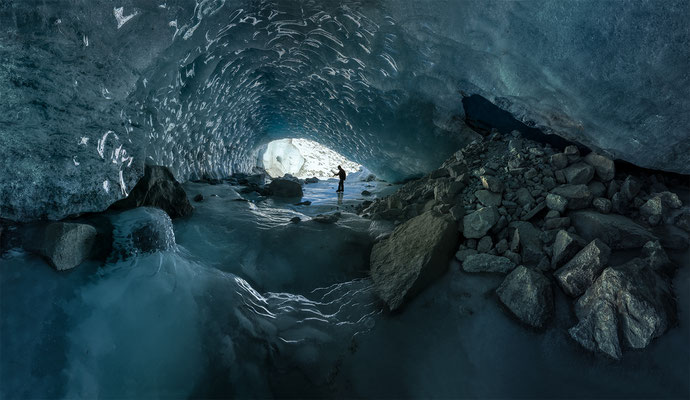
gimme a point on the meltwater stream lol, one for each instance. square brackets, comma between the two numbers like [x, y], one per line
[249, 304]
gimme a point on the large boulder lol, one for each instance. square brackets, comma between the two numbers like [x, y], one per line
[617, 231]
[478, 223]
[578, 196]
[64, 245]
[528, 295]
[627, 306]
[157, 188]
[604, 166]
[417, 252]
[284, 187]
[487, 263]
[579, 273]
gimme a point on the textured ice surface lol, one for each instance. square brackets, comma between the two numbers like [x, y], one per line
[92, 89]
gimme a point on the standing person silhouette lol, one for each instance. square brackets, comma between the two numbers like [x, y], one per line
[342, 175]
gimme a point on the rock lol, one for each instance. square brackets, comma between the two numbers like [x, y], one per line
[157, 188]
[627, 306]
[478, 223]
[602, 205]
[488, 198]
[295, 220]
[578, 196]
[531, 173]
[528, 295]
[669, 200]
[461, 255]
[487, 263]
[327, 218]
[617, 231]
[579, 273]
[556, 202]
[282, 187]
[527, 239]
[64, 245]
[612, 189]
[604, 166]
[682, 220]
[559, 161]
[534, 211]
[417, 252]
[619, 204]
[457, 212]
[565, 246]
[491, 183]
[439, 173]
[671, 237]
[303, 203]
[366, 193]
[572, 152]
[560, 176]
[549, 183]
[597, 189]
[199, 197]
[631, 187]
[485, 244]
[502, 246]
[523, 196]
[579, 173]
[456, 170]
[552, 214]
[514, 257]
[314, 180]
[652, 207]
[557, 223]
[656, 258]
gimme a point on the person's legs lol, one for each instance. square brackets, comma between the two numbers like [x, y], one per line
[340, 186]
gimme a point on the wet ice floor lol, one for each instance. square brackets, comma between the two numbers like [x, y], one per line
[251, 305]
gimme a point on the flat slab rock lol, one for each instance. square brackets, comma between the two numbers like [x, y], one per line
[528, 295]
[417, 253]
[487, 263]
[617, 231]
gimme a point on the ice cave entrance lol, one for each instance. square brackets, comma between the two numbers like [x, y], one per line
[303, 158]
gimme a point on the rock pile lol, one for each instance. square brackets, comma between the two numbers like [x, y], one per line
[543, 216]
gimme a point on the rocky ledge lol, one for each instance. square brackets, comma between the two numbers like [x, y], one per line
[550, 221]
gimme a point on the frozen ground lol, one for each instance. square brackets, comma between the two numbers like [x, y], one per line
[251, 305]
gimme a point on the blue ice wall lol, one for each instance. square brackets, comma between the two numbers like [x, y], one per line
[91, 90]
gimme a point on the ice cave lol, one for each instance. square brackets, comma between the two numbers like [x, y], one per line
[514, 219]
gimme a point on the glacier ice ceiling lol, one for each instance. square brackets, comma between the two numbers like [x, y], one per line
[90, 90]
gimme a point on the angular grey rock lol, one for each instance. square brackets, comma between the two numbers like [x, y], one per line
[64, 245]
[653, 206]
[523, 196]
[627, 306]
[669, 200]
[439, 173]
[157, 188]
[565, 246]
[578, 196]
[488, 198]
[485, 244]
[527, 239]
[572, 152]
[417, 252]
[604, 166]
[559, 161]
[487, 263]
[491, 183]
[534, 211]
[619, 203]
[556, 202]
[682, 220]
[461, 255]
[502, 246]
[579, 273]
[557, 223]
[631, 187]
[560, 176]
[612, 189]
[617, 231]
[656, 257]
[528, 295]
[597, 189]
[281, 187]
[602, 205]
[478, 223]
[579, 173]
